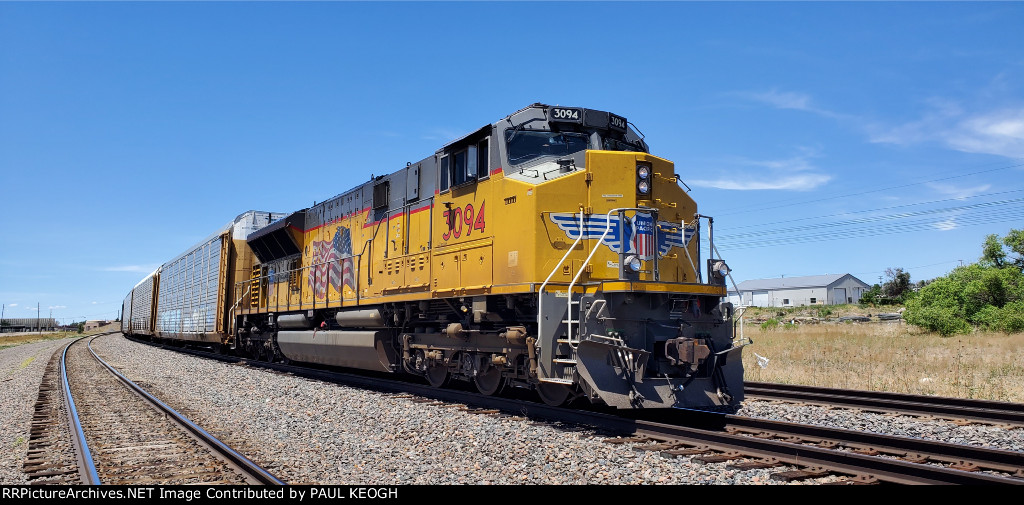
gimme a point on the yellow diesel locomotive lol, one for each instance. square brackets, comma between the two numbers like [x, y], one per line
[548, 250]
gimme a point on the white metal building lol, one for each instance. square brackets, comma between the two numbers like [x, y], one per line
[829, 289]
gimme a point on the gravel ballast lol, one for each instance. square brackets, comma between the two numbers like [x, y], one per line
[21, 371]
[309, 432]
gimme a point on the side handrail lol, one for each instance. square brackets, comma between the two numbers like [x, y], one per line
[540, 290]
[235, 306]
[607, 229]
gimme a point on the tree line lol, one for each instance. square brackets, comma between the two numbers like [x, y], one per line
[986, 295]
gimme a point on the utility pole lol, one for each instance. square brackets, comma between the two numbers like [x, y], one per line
[2, 310]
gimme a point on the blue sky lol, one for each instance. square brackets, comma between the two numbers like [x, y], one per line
[823, 137]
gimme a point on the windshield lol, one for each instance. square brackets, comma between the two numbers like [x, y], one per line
[524, 146]
[618, 145]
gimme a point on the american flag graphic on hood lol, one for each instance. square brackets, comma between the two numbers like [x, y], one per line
[332, 263]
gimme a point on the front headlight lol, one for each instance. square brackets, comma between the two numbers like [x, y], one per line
[633, 263]
[643, 172]
[721, 268]
[643, 187]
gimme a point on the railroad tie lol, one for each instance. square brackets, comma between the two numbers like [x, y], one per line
[617, 441]
[701, 449]
[858, 480]
[756, 464]
[912, 457]
[866, 451]
[807, 473]
[662, 446]
[718, 458]
[965, 466]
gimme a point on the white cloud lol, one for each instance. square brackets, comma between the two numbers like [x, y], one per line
[788, 100]
[959, 192]
[999, 132]
[783, 100]
[14, 305]
[58, 306]
[794, 182]
[793, 174]
[947, 225]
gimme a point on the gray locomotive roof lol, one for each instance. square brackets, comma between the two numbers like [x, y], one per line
[521, 118]
[809, 281]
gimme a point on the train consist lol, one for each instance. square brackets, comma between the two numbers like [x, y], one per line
[548, 250]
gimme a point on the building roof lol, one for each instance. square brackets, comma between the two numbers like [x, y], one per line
[809, 281]
[30, 321]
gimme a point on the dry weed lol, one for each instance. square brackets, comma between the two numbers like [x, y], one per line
[890, 356]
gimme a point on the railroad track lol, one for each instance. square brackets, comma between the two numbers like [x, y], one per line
[810, 451]
[958, 410]
[862, 457]
[94, 426]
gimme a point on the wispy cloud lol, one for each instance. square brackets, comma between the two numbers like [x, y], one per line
[781, 99]
[959, 192]
[788, 100]
[14, 305]
[947, 225]
[999, 131]
[58, 306]
[792, 174]
[130, 268]
[793, 182]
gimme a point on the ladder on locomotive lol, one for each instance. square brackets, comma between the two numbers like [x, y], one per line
[574, 305]
[566, 360]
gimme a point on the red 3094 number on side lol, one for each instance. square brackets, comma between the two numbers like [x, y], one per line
[464, 220]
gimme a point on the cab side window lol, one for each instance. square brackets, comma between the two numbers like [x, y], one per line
[464, 165]
[445, 173]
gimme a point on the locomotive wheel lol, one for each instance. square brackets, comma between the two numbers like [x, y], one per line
[553, 394]
[437, 376]
[489, 381]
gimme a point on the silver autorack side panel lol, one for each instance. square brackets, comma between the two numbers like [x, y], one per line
[191, 285]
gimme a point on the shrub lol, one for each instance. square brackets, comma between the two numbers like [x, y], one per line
[944, 316]
[1011, 317]
[770, 324]
[987, 318]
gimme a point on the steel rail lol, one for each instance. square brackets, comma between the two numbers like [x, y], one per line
[884, 469]
[955, 408]
[723, 432]
[86, 465]
[938, 451]
[244, 463]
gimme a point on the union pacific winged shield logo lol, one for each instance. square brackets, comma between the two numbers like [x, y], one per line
[637, 232]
